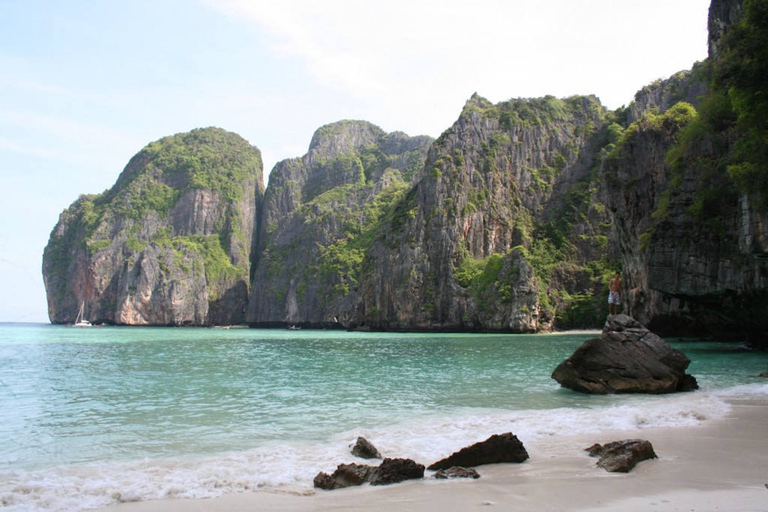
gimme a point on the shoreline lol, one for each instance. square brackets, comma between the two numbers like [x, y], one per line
[282, 326]
[721, 464]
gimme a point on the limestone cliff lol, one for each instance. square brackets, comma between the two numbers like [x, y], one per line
[506, 225]
[692, 230]
[723, 14]
[321, 213]
[512, 220]
[692, 247]
[168, 244]
[690, 86]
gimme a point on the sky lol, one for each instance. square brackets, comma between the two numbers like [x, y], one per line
[85, 84]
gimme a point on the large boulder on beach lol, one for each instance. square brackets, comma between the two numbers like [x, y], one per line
[346, 475]
[392, 471]
[626, 358]
[622, 456]
[497, 448]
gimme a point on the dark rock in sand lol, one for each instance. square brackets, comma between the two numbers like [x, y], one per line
[365, 450]
[346, 475]
[392, 471]
[595, 450]
[622, 456]
[497, 448]
[457, 472]
[626, 358]
[325, 481]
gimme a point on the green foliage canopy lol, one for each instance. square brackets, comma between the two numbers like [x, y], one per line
[741, 75]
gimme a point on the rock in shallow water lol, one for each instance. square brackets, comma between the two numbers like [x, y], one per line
[390, 471]
[626, 358]
[365, 450]
[346, 475]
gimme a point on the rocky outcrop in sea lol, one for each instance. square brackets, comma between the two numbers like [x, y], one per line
[626, 358]
[169, 244]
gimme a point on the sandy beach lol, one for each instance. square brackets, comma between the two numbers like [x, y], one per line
[720, 465]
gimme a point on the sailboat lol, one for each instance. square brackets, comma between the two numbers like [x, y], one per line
[80, 321]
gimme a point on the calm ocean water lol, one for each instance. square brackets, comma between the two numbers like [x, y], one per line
[90, 417]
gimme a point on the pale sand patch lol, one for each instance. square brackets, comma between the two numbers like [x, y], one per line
[721, 465]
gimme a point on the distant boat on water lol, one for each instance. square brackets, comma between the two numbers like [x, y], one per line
[294, 328]
[80, 321]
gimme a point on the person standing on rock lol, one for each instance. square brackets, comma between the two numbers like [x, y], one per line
[614, 295]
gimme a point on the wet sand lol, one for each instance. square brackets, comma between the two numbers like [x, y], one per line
[720, 465]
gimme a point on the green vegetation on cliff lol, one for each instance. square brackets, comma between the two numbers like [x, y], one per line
[507, 218]
[521, 113]
[720, 151]
[208, 158]
[153, 181]
[678, 132]
[153, 228]
[341, 261]
[741, 83]
[208, 249]
[521, 179]
[723, 148]
[323, 213]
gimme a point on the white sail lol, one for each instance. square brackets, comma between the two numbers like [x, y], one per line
[80, 321]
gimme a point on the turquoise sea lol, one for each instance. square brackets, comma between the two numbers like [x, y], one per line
[90, 417]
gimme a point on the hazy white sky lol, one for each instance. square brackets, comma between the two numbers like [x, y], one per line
[85, 84]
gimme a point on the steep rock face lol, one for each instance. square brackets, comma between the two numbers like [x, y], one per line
[693, 249]
[639, 160]
[321, 213]
[168, 244]
[723, 14]
[507, 212]
[690, 86]
[693, 243]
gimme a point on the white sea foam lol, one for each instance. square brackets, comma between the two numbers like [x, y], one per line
[431, 440]
[744, 390]
[294, 465]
